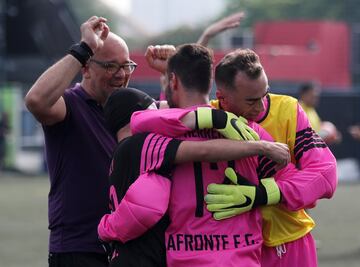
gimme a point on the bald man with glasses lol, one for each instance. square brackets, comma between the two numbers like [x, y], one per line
[78, 145]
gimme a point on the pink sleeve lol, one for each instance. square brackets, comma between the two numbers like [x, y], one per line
[302, 188]
[158, 154]
[317, 177]
[135, 215]
[164, 121]
[263, 134]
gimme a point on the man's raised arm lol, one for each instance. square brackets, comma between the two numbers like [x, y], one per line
[44, 99]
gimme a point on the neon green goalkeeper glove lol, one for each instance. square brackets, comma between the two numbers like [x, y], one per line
[226, 123]
[228, 200]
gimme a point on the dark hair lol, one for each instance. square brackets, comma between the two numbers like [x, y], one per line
[244, 60]
[305, 88]
[121, 104]
[192, 63]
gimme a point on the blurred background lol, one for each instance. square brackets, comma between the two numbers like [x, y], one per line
[297, 41]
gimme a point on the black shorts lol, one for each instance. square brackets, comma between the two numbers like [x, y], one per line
[78, 259]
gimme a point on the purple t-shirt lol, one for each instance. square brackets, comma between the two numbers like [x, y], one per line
[79, 151]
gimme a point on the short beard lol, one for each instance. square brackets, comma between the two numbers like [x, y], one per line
[168, 96]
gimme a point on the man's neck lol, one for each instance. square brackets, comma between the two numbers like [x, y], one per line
[92, 93]
[123, 133]
[192, 99]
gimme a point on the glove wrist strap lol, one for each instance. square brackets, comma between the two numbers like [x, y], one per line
[272, 191]
[204, 118]
[219, 118]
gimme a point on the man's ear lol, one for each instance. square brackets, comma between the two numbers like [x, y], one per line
[221, 96]
[85, 72]
[173, 81]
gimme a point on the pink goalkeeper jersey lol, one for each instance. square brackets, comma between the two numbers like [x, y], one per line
[194, 238]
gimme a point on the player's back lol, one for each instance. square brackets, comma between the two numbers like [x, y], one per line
[194, 238]
[148, 249]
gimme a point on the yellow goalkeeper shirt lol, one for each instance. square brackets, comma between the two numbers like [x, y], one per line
[313, 117]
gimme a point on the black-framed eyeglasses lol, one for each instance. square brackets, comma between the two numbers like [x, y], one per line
[113, 67]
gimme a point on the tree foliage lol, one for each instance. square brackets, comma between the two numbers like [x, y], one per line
[260, 10]
[177, 36]
[84, 9]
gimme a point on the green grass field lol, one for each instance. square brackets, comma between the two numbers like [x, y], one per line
[23, 223]
[24, 234]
